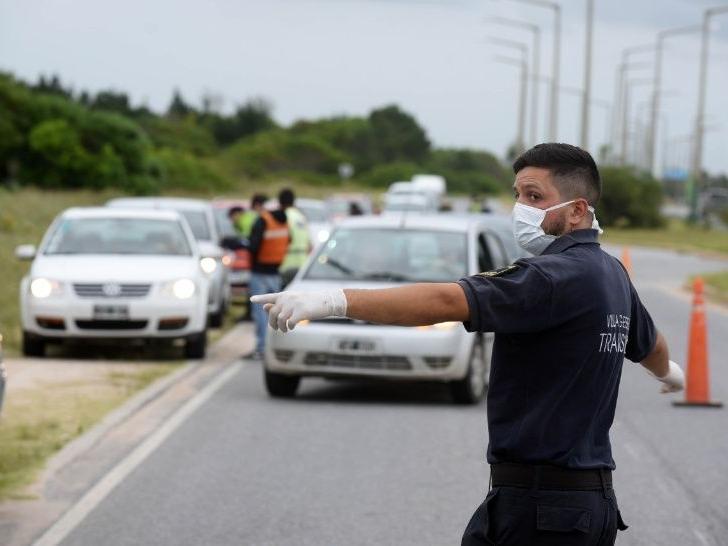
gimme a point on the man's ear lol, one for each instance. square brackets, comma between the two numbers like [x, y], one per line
[581, 208]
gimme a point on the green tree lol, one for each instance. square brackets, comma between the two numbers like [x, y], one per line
[178, 107]
[250, 118]
[629, 199]
[398, 136]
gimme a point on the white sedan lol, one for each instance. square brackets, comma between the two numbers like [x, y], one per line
[115, 273]
[377, 252]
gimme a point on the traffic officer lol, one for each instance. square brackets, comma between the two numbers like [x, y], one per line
[564, 320]
[300, 244]
[247, 218]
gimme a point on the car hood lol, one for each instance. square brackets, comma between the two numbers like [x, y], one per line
[209, 249]
[115, 268]
[311, 285]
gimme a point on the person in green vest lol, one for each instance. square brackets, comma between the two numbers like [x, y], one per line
[300, 244]
[242, 219]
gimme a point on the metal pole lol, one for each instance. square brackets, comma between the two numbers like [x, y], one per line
[656, 91]
[619, 108]
[587, 75]
[696, 170]
[625, 115]
[535, 63]
[521, 123]
[556, 54]
[554, 114]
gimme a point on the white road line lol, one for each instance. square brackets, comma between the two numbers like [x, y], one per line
[93, 497]
[701, 537]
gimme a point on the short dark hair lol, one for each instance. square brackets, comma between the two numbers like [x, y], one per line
[258, 199]
[234, 210]
[286, 197]
[574, 171]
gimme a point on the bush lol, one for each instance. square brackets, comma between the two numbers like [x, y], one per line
[182, 170]
[280, 151]
[629, 199]
[385, 174]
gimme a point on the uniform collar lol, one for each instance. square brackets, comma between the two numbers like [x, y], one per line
[578, 237]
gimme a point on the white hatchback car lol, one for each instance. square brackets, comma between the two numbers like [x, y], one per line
[201, 218]
[377, 252]
[114, 273]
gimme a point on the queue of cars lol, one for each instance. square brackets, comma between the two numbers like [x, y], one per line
[162, 268]
[136, 269]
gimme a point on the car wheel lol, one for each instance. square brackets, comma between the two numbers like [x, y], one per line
[280, 385]
[196, 346]
[215, 319]
[471, 388]
[33, 345]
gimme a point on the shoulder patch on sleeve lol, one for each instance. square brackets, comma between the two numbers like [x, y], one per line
[500, 272]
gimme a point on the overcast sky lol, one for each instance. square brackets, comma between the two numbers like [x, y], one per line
[316, 58]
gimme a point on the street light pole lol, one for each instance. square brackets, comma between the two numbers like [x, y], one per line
[587, 75]
[656, 90]
[618, 111]
[696, 170]
[521, 124]
[535, 63]
[625, 113]
[523, 48]
[554, 98]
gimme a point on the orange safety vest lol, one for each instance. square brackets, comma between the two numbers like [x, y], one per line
[275, 240]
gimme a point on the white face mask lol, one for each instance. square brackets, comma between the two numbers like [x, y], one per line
[527, 226]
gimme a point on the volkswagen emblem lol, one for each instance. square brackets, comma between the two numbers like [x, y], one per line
[111, 289]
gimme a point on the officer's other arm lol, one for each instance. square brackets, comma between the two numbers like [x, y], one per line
[412, 305]
[658, 363]
[256, 236]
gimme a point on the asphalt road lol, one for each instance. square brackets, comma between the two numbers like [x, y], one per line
[398, 464]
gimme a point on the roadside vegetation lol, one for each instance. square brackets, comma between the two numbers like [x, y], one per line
[42, 417]
[675, 235]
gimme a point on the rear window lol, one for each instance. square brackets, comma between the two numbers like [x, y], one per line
[198, 224]
[395, 255]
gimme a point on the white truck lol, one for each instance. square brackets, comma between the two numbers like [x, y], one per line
[432, 184]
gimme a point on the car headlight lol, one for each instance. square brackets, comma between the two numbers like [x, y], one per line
[208, 265]
[182, 289]
[439, 326]
[42, 288]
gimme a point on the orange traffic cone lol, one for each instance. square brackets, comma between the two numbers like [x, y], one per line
[697, 392]
[627, 261]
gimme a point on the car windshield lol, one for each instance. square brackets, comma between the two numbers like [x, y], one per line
[397, 255]
[118, 236]
[198, 224]
[224, 225]
[313, 214]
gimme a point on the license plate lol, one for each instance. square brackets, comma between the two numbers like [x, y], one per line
[111, 312]
[357, 345]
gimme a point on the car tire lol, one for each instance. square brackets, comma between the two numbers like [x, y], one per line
[215, 319]
[196, 346]
[279, 385]
[33, 345]
[471, 388]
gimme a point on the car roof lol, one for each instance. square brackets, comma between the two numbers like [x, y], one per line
[440, 222]
[113, 212]
[180, 203]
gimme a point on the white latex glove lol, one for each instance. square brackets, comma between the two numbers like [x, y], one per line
[286, 309]
[673, 381]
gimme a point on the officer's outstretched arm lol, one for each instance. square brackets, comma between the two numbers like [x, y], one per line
[411, 305]
[658, 363]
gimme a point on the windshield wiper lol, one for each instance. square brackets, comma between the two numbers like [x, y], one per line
[338, 265]
[386, 276]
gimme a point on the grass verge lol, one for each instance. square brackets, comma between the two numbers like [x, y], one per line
[38, 421]
[676, 236]
[716, 286]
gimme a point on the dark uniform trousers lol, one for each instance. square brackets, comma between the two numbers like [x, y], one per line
[517, 516]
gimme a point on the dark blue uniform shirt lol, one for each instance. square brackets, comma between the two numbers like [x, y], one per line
[563, 323]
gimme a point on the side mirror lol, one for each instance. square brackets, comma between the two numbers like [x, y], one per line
[25, 252]
[232, 242]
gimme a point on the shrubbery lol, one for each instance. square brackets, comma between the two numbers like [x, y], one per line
[629, 199]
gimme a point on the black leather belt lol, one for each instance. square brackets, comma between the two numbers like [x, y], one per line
[549, 477]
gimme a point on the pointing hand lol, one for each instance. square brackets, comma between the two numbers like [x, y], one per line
[286, 309]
